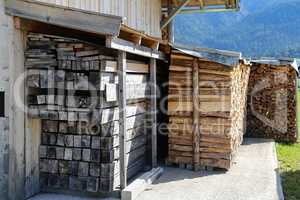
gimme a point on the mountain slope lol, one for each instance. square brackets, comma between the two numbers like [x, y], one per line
[271, 28]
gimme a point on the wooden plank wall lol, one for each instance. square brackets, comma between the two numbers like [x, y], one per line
[142, 15]
[4, 85]
[16, 115]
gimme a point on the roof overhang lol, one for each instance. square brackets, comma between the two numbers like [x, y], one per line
[291, 62]
[175, 7]
[228, 58]
[35, 16]
[203, 4]
[64, 16]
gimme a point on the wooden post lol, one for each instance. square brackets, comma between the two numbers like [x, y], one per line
[196, 105]
[297, 105]
[122, 117]
[153, 111]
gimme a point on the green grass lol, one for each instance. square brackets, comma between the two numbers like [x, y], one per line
[289, 158]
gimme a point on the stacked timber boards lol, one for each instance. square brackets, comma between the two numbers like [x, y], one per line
[272, 102]
[73, 88]
[206, 108]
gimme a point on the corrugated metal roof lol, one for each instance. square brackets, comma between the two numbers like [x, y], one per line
[229, 58]
[293, 62]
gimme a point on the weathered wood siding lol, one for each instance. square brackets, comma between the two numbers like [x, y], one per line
[4, 84]
[142, 15]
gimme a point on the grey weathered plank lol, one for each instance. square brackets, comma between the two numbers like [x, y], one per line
[153, 111]
[123, 45]
[64, 16]
[122, 117]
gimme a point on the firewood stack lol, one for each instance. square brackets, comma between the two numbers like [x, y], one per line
[272, 99]
[206, 107]
[72, 87]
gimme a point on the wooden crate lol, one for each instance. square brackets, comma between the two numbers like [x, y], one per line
[206, 108]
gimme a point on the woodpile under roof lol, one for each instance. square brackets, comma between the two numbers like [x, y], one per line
[206, 108]
[272, 100]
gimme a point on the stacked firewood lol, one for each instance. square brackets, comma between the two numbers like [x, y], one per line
[73, 88]
[272, 99]
[206, 108]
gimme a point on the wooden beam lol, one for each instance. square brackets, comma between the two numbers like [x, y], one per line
[175, 2]
[153, 110]
[201, 4]
[122, 116]
[16, 116]
[123, 45]
[64, 16]
[173, 14]
[135, 38]
[195, 3]
[196, 107]
[140, 184]
[152, 44]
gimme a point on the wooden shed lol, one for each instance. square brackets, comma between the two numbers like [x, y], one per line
[84, 99]
[272, 99]
[59, 132]
[206, 107]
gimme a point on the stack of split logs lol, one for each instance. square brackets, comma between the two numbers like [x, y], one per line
[272, 100]
[206, 108]
[72, 87]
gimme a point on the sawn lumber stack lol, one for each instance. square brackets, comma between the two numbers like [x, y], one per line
[72, 87]
[206, 108]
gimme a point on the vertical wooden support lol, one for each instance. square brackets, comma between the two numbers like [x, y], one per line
[153, 111]
[122, 117]
[16, 171]
[32, 144]
[171, 26]
[297, 107]
[196, 105]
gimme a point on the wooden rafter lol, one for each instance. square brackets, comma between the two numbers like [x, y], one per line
[201, 4]
[175, 2]
[130, 47]
[173, 14]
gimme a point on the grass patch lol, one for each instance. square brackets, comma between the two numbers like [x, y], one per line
[289, 158]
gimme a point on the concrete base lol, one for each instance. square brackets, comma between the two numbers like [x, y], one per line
[254, 176]
[65, 197]
[133, 190]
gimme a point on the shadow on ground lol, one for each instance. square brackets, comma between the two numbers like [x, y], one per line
[253, 176]
[291, 184]
[183, 174]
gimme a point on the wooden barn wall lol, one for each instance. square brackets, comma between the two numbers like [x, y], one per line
[4, 83]
[12, 129]
[142, 15]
